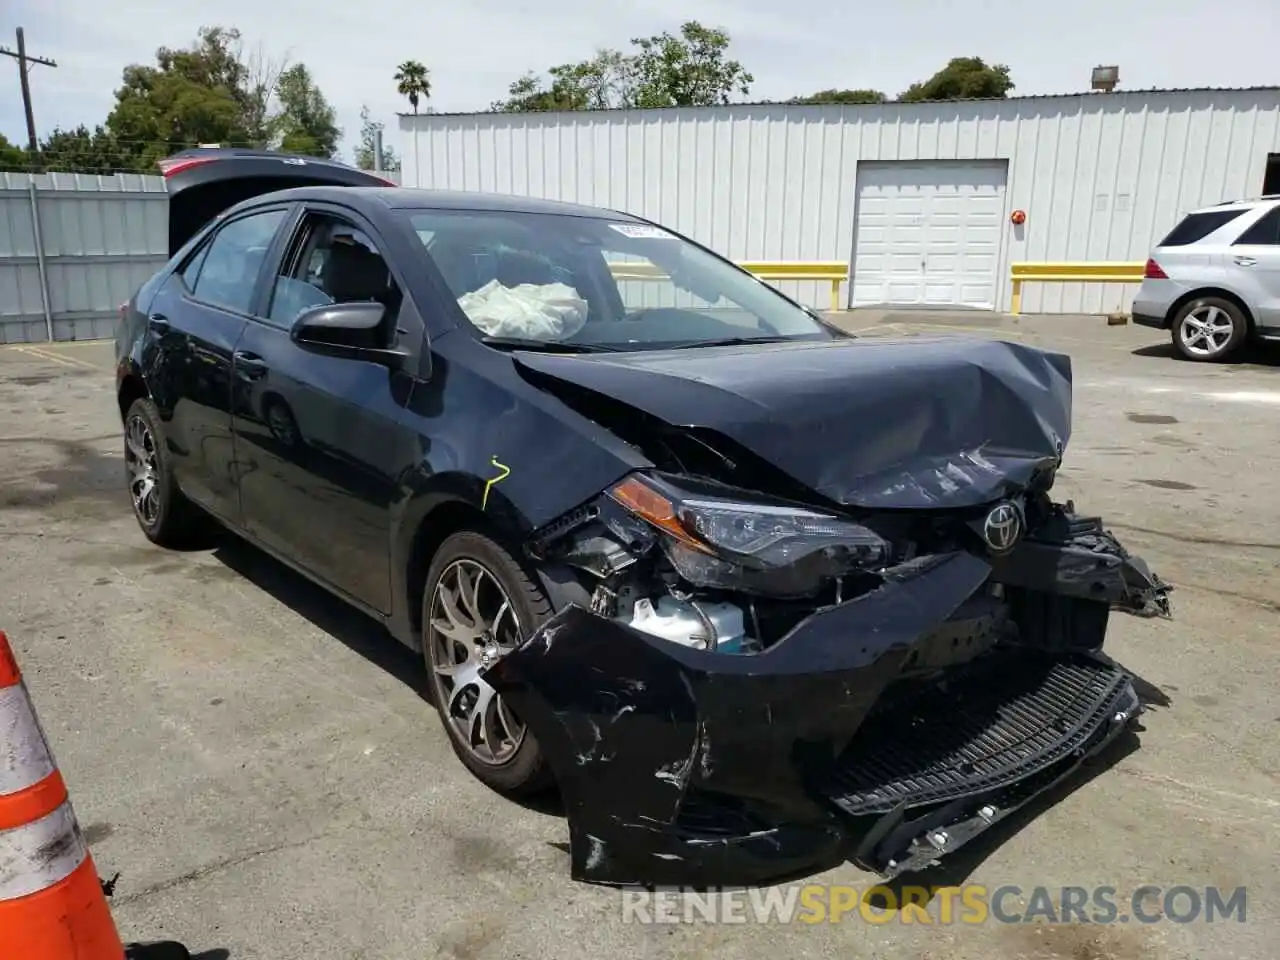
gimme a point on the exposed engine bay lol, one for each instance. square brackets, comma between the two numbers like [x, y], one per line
[727, 571]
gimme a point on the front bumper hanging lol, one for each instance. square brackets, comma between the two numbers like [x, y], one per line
[682, 767]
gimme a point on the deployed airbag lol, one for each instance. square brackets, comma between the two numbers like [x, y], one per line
[529, 311]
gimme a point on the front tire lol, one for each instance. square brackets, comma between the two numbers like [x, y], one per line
[167, 518]
[1209, 330]
[478, 605]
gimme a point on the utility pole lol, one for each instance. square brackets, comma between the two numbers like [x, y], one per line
[25, 61]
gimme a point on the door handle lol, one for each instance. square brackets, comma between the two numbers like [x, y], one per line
[159, 323]
[1245, 261]
[252, 365]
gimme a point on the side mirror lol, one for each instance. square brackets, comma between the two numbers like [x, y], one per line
[345, 329]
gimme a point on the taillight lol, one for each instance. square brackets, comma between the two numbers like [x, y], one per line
[169, 167]
[1153, 272]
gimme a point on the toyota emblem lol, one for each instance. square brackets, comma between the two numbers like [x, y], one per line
[1002, 528]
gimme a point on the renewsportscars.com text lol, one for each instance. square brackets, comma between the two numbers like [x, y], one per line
[969, 904]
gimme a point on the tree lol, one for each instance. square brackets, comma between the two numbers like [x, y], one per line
[604, 81]
[963, 78]
[527, 95]
[262, 75]
[664, 71]
[216, 92]
[687, 71]
[12, 157]
[413, 81]
[306, 123]
[841, 96]
[368, 143]
[84, 151]
[191, 96]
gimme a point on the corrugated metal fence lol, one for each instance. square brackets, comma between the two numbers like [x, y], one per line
[73, 247]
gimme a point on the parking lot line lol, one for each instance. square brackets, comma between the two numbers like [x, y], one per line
[52, 358]
[57, 358]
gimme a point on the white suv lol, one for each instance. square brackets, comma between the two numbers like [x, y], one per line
[1214, 281]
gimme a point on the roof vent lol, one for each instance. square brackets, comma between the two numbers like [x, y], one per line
[1105, 78]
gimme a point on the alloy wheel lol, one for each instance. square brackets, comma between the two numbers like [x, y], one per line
[142, 464]
[471, 623]
[280, 423]
[1206, 330]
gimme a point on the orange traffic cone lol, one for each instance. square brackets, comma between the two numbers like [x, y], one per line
[52, 905]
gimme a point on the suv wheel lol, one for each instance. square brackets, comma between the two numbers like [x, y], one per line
[478, 605]
[1209, 329]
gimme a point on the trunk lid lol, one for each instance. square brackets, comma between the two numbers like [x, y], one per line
[204, 182]
[912, 424]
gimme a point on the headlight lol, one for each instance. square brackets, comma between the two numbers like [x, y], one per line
[774, 548]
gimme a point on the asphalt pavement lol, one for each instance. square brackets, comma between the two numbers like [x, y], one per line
[257, 763]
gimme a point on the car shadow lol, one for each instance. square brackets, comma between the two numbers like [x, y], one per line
[1259, 355]
[1150, 695]
[171, 950]
[359, 633]
[346, 624]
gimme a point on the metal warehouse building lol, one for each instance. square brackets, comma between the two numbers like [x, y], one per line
[918, 198]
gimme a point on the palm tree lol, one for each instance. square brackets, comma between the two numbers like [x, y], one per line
[413, 80]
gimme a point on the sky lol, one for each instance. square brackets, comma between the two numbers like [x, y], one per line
[474, 49]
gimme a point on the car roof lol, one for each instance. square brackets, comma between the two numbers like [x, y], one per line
[1244, 203]
[413, 198]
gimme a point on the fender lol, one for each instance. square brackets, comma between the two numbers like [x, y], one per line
[502, 452]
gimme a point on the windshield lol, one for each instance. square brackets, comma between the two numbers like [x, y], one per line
[539, 279]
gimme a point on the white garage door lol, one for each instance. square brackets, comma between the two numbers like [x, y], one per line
[928, 232]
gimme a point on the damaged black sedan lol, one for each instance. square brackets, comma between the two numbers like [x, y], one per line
[752, 593]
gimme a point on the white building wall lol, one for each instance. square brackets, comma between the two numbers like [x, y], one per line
[1100, 176]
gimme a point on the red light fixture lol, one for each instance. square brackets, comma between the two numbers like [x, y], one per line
[1018, 217]
[1153, 271]
[177, 164]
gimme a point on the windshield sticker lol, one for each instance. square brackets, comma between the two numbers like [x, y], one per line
[641, 231]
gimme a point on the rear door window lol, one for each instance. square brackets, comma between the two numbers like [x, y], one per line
[229, 274]
[1266, 232]
[1197, 226]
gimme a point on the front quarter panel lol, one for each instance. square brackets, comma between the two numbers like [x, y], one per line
[494, 443]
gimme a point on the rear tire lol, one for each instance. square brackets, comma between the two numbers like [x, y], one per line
[281, 422]
[1208, 330]
[167, 518]
[505, 607]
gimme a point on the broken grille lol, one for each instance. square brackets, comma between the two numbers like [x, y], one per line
[982, 727]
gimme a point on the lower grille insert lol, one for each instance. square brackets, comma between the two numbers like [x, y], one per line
[983, 726]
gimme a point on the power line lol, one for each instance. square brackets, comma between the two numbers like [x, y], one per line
[25, 62]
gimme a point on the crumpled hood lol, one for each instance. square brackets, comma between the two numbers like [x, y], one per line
[912, 423]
